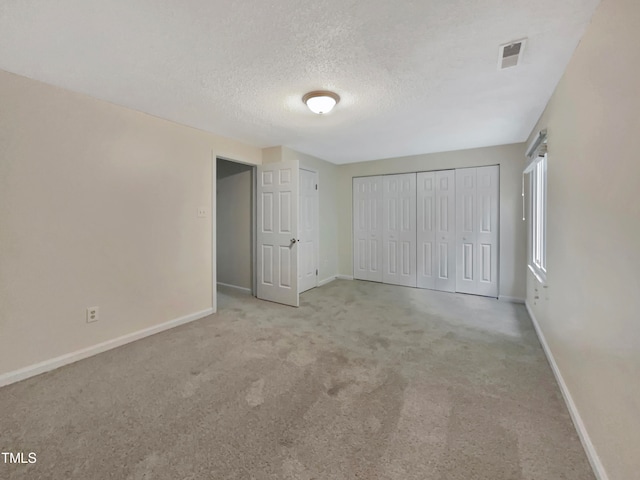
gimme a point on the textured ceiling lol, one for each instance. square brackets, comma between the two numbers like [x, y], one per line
[414, 76]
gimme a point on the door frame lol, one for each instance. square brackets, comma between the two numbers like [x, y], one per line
[317, 239]
[214, 225]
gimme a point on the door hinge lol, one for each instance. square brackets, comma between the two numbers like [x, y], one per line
[316, 186]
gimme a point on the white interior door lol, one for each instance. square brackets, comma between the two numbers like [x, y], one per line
[488, 205]
[477, 211]
[436, 230]
[445, 231]
[426, 229]
[466, 278]
[367, 228]
[277, 242]
[308, 228]
[399, 229]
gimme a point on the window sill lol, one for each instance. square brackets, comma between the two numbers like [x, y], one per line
[539, 274]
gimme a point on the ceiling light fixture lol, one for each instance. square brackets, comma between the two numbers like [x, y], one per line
[321, 101]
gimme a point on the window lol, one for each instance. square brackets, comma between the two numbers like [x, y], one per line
[537, 171]
[538, 224]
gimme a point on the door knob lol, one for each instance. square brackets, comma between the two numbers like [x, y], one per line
[293, 240]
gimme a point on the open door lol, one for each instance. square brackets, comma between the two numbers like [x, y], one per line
[277, 242]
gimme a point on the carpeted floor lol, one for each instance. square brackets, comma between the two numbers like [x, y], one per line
[363, 381]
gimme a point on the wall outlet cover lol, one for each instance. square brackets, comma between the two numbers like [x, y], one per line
[92, 314]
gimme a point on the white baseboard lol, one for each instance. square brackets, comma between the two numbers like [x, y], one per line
[326, 280]
[243, 289]
[344, 277]
[592, 455]
[52, 364]
[504, 298]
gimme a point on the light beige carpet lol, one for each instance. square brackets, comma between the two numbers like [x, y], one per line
[363, 381]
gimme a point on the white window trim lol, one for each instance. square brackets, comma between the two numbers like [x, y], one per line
[538, 215]
[537, 231]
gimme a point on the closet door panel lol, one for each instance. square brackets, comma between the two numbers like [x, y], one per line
[466, 221]
[445, 234]
[367, 228]
[399, 229]
[488, 188]
[477, 221]
[426, 229]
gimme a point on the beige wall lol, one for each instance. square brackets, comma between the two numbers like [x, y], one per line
[98, 207]
[327, 181]
[590, 311]
[233, 220]
[512, 228]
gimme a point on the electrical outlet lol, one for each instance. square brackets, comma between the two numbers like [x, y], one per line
[92, 314]
[202, 212]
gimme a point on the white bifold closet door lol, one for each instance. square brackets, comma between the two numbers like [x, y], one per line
[399, 229]
[367, 228]
[436, 230]
[477, 191]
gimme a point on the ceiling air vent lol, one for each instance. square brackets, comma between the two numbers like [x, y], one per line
[510, 54]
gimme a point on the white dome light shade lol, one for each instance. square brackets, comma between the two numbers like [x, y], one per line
[321, 101]
[321, 105]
